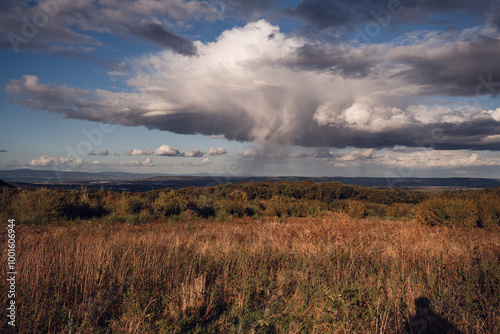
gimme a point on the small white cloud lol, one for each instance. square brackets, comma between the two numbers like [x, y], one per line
[194, 153]
[146, 163]
[216, 151]
[423, 158]
[45, 161]
[166, 150]
[136, 151]
[203, 162]
[104, 153]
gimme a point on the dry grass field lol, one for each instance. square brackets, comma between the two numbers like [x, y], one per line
[331, 274]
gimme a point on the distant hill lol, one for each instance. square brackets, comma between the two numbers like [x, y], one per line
[379, 182]
[144, 182]
[40, 176]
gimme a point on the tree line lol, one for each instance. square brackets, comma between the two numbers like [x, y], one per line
[253, 199]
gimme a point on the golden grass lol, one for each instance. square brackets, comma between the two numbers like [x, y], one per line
[297, 275]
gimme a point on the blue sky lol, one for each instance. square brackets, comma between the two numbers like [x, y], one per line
[250, 87]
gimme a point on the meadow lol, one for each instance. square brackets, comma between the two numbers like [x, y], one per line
[231, 265]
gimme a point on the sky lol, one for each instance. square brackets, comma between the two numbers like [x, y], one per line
[380, 88]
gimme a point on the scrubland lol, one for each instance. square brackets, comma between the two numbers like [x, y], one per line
[331, 274]
[255, 258]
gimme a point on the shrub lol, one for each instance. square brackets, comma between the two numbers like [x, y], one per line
[376, 209]
[137, 204]
[277, 207]
[488, 209]
[205, 206]
[339, 206]
[430, 211]
[223, 215]
[461, 212]
[7, 196]
[262, 205]
[399, 210]
[252, 210]
[306, 208]
[39, 206]
[356, 210]
[83, 205]
[109, 201]
[442, 211]
[113, 218]
[237, 203]
[168, 204]
[129, 204]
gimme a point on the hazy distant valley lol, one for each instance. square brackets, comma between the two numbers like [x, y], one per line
[138, 182]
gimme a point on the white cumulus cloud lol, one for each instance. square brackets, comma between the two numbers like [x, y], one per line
[146, 163]
[45, 161]
[194, 153]
[139, 152]
[166, 150]
[216, 151]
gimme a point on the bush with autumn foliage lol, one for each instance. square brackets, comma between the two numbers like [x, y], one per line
[474, 208]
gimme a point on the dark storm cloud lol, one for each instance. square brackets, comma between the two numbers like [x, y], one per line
[461, 69]
[468, 135]
[494, 15]
[62, 27]
[239, 125]
[335, 58]
[454, 136]
[284, 90]
[348, 13]
[465, 68]
[161, 36]
[192, 122]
